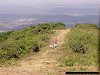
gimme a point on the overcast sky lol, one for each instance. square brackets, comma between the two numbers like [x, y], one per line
[26, 6]
[48, 2]
[52, 7]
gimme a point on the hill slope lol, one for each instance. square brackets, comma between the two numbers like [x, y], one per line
[18, 44]
[43, 63]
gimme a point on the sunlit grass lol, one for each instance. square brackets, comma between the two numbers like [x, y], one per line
[89, 39]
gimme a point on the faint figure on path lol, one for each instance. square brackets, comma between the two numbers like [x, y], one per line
[55, 44]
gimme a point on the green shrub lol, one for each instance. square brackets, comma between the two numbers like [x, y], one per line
[9, 51]
[77, 47]
[18, 44]
[4, 36]
[35, 48]
[81, 40]
[86, 26]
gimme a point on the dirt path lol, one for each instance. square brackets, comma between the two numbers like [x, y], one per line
[43, 63]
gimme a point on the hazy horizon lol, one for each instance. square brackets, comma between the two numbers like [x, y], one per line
[66, 11]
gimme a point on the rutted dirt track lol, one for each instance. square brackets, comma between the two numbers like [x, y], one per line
[43, 63]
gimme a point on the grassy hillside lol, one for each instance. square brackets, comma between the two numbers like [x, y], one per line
[82, 46]
[20, 43]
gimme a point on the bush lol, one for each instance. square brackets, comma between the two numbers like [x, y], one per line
[35, 48]
[86, 26]
[82, 40]
[4, 36]
[9, 51]
[17, 44]
[78, 41]
[77, 47]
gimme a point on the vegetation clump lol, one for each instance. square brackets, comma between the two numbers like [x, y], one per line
[82, 37]
[81, 46]
[35, 48]
[18, 44]
[77, 47]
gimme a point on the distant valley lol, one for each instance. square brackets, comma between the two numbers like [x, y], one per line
[17, 21]
[21, 16]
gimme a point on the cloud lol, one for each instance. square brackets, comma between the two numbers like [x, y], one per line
[46, 2]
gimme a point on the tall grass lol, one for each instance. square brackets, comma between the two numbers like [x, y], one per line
[81, 47]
